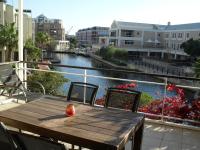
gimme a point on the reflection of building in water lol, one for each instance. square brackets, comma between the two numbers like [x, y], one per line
[62, 46]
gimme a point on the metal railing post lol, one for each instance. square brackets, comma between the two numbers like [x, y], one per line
[163, 99]
[85, 81]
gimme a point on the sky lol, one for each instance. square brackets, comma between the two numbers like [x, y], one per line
[79, 14]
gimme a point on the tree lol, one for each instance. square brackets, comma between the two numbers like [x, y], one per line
[51, 81]
[8, 39]
[121, 54]
[192, 47]
[42, 40]
[73, 42]
[33, 52]
[51, 45]
[113, 53]
[4, 1]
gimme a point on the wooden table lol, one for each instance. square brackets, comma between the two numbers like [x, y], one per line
[91, 127]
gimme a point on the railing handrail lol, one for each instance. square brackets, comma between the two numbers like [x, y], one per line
[12, 62]
[106, 77]
[85, 75]
[129, 71]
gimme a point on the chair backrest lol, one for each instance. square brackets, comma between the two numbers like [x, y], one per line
[122, 98]
[9, 77]
[6, 140]
[30, 142]
[78, 91]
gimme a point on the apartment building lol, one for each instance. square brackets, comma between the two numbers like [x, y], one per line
[8, 14]
[54, 27]
[90, 36]
[152, 40]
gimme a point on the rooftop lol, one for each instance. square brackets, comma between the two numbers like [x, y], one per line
[189, 26]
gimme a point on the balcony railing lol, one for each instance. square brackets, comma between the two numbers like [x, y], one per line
[161, 100]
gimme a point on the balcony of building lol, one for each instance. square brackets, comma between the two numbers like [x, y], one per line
[172, 118]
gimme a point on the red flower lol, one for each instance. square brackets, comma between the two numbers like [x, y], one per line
[125, 86]
[180, 92]
[171, 87]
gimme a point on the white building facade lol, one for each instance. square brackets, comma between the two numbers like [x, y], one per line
[151, 40]
[8, 14]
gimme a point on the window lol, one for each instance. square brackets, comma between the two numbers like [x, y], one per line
[167, 45]
[174, 35]
[129, 42]
[180, 35]
[138, 33]
[188, 35]
[127, 33]
[159, 34]
[113, 33]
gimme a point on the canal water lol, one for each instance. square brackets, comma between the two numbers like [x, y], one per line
[156, 91]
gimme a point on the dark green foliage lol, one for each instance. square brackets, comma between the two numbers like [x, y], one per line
[4, 1]
[192, 47]
[51, 81]
[33, 52]
[8, 39]
[197, 67]
[121, 54]
[113, 53]
[42, 40]
[73, 43]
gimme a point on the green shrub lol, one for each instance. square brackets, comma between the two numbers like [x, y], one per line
[145, 99]
[51, 81]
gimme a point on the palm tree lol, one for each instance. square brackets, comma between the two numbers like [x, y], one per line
[8, 39]
[4, 1]
[42, 40]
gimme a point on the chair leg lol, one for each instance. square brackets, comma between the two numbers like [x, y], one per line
[132, 143]
[138, 138]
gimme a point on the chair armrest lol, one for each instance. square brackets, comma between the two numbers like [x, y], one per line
[4, 86]
[38, 83]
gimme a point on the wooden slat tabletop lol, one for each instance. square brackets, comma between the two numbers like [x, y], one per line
[91, 127]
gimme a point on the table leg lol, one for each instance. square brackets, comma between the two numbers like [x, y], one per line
[138, 138]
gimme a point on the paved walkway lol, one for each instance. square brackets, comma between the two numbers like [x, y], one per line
[156, 136]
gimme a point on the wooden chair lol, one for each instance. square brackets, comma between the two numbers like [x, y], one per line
[12, 140]
[6, 140]
[82, 92]
[13, 87]
[123, 99]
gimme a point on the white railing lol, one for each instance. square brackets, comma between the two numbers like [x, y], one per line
[85, 75]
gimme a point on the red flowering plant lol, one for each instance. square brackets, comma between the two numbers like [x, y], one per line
[175, 106]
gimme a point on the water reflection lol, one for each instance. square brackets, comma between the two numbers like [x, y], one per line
[156, 91]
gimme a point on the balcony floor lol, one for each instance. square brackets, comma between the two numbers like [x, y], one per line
[156, 136]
